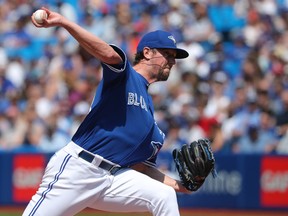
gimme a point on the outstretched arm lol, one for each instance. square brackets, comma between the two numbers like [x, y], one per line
[92, 44]
[156, 174]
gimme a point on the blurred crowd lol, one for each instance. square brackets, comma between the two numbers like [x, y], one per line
[232, 89]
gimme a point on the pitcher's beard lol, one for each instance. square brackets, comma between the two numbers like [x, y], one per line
[163, 72]
[163, 75]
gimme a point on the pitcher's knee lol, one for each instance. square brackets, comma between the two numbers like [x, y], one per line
[165, 202]
[168, 195]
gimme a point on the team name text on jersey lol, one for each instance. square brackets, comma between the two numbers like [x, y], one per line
[133, 99]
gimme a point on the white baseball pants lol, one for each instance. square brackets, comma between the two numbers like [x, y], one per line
[70, 184]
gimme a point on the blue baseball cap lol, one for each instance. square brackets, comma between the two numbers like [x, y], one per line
[162, 40]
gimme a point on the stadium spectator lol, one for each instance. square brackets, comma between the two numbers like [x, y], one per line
[255, 141]
[218, 101]
[282, 129]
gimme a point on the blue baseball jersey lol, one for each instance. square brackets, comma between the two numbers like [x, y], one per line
[120, 125]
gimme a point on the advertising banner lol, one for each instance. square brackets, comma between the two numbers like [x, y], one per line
[237, 185]
[244, 181]
[26, 175]
[274, 181]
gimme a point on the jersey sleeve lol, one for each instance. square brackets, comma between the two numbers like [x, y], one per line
[151, 162]
[112, 71]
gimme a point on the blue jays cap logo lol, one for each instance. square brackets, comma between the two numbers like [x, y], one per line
[172, 38]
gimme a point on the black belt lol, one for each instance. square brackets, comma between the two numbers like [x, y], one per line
[104, 165]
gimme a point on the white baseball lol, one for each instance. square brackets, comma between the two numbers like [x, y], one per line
[39, 15]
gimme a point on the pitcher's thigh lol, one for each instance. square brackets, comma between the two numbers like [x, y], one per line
[69, 185]
[50, 198]
[132, 191]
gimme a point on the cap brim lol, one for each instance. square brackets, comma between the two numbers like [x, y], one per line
[180, 53]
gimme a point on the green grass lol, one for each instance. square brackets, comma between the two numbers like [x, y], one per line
[9, 214]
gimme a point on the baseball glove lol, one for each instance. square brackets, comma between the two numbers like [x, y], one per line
[194, 162]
